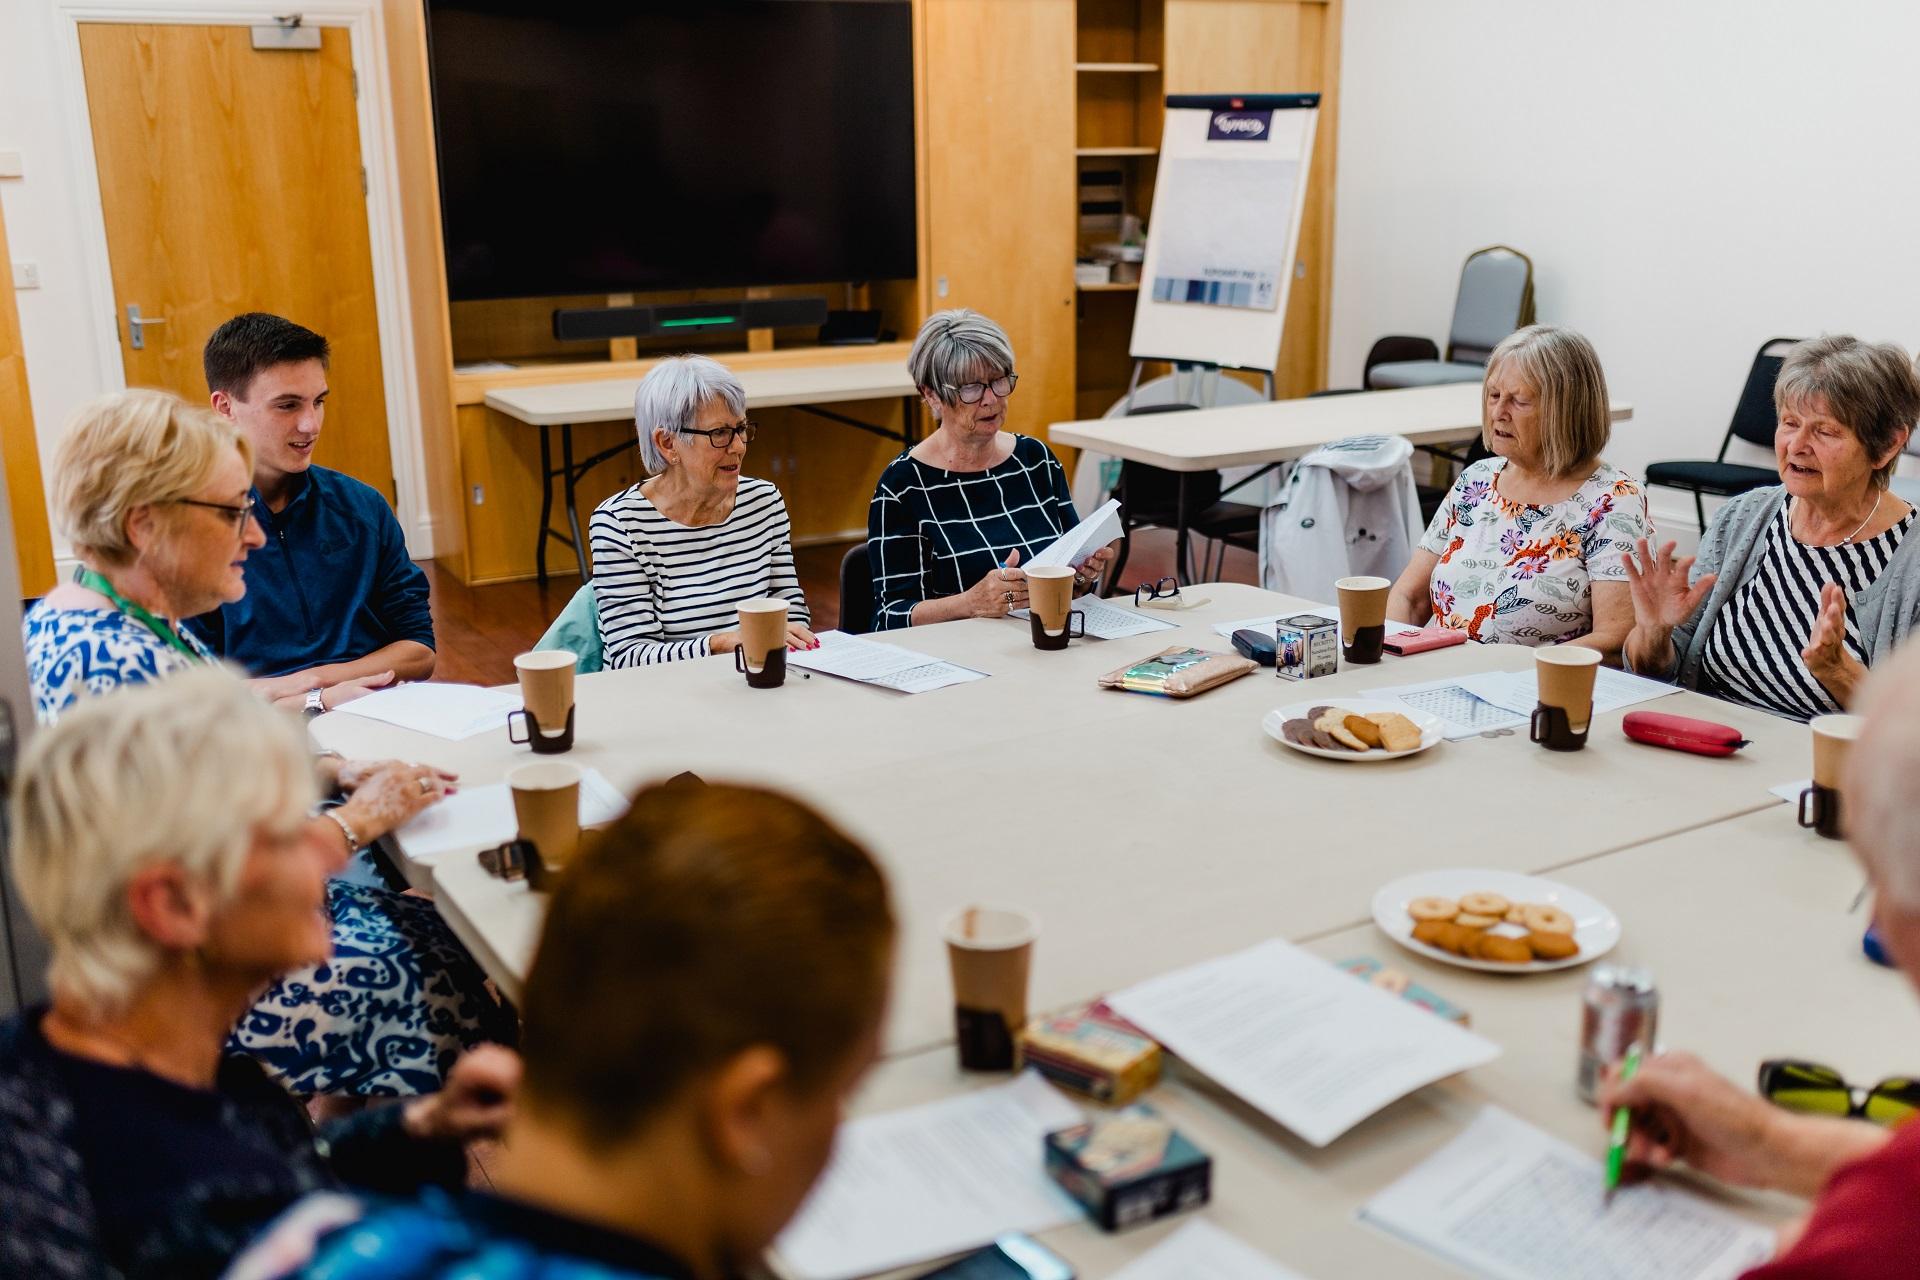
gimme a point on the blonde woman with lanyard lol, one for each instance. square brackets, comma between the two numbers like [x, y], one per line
[153, 494]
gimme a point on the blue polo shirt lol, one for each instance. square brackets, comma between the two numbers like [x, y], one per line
[333, 583]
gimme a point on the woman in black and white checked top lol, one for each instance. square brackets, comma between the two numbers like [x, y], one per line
[674, 555]
[953, 517]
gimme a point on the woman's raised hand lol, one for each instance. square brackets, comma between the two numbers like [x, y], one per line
[1662, 600]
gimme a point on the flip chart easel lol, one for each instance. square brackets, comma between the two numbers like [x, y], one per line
[1224, 230]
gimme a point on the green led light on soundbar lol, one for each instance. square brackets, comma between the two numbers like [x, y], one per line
[696, 321]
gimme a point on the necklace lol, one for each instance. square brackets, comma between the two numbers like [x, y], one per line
[1857, 528]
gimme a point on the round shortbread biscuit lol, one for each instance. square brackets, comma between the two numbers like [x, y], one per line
[1433, 908]
[1545, 919]
[1553, 946]
[1484, 904]
[1474, 920]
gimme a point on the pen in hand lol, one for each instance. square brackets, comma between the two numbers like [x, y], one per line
[1622, 1122]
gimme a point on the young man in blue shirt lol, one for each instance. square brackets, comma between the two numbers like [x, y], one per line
[333, 597]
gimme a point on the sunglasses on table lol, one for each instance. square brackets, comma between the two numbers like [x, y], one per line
[722, 437]
[1165, 594]
[1816, 1090]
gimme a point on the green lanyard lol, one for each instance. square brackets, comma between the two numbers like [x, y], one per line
[94, 581]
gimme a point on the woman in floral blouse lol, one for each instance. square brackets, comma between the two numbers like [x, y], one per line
[1530, 546]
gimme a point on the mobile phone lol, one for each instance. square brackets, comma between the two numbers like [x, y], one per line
[1011, 1257]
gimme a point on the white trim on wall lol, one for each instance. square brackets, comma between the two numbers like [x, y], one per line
[378, 153]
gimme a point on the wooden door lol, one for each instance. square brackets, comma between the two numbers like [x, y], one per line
[32, 543]
[999, 95]
[231, 182]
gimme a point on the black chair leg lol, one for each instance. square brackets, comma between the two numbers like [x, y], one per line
[1120, 560]
[1700, 510]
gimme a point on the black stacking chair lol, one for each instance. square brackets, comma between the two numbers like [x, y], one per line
[1151, 496]
[856, 591]
[1753, 421]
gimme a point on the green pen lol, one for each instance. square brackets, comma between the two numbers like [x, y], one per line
[1617, 1148]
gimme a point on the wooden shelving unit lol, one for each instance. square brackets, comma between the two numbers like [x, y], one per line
[1134, 68]
[1132, 286]
[1116, 151]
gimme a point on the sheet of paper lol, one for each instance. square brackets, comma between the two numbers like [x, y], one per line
[1266, 620]
[1519, 691]
[1076, 544]
[1108, 621]
[1790, 791]
[1298, 1038]
[932, 1180]
[888, 665]
[481, 817]
[444, 710]
[1202, 1249]
[1507, 1200]
[1463, 713]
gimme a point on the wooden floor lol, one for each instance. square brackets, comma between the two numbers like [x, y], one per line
[480, 629]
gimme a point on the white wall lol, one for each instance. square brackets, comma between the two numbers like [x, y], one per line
[1690, 178]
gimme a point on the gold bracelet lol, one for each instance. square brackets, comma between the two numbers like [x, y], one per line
[353, 841]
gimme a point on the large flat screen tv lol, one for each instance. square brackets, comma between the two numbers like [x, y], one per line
[672, 144]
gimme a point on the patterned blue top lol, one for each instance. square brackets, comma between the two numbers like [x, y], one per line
[485, 1237]
[75, 652]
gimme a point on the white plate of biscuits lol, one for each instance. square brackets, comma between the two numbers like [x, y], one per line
[1497, 921]
[1356, 729]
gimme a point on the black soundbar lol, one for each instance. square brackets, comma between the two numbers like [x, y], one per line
[690, 318]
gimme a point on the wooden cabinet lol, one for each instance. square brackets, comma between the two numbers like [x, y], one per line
[32, 542]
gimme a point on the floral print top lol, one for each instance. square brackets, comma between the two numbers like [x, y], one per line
[1514, 573]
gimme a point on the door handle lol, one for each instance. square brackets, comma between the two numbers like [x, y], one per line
[137, 327]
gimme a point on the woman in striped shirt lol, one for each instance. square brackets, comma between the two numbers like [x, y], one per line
[1800, 586]
[674, 555]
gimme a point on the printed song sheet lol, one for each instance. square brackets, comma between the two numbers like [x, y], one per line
[1507, 1200]
[1298, 1038]
[480, 817]
[1202, 1249]
[1107, 621]
[444, 710]
[1466, 714]
[1519, 691]
[933, 1180]
[886, 665]
[1076, 544]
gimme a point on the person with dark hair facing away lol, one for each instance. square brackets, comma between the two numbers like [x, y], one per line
[670, 1137]
[333, 595]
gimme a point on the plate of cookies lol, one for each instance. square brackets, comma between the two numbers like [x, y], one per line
[1354, 729]
[1498, 921]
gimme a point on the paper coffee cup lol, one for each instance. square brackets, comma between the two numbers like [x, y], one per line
[1363, 603]
[990, 950]
[546, 800]
[1566, 674]
[763, 628]
[1050, 595]
[546, 687]
[1832, 738]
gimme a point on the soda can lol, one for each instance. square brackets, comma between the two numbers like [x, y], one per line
[1305, 645]
[1620, 1009]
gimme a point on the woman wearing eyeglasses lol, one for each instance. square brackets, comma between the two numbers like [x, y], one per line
[675, 554]
[953, 517]
[152, 492]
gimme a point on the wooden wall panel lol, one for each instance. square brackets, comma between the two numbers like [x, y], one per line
[1000, 183]
[1276, 46]
[20, 446]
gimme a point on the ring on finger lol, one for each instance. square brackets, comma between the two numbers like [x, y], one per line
[426, 786]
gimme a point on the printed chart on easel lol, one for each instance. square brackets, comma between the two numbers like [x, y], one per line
[1225, 228]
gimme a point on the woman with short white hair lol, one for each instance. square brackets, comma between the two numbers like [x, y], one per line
[953, 516]
[154, 495]
[169, 897]
[675, 554]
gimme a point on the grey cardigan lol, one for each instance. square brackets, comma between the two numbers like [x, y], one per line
[1886, 611]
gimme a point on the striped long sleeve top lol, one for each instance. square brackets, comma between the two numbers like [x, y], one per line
[662, 588]
[933, 533]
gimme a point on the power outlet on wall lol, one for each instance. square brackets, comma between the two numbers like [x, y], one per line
[26, 275]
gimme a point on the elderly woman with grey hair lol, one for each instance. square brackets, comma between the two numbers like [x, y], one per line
[674, 555]
[953, 516]
[1799, 587]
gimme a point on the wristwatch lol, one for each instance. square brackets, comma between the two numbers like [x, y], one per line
[316, 703]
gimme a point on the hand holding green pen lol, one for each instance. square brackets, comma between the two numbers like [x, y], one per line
[1622, 1123]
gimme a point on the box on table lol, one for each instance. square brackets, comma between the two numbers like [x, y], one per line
[1103, 1058]
[1130, 1167]
[1367, 969]
[1305, 645]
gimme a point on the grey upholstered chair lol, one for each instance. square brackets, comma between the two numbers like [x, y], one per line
[1495, 298]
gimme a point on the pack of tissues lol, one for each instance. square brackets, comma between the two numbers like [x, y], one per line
[1129, 1167]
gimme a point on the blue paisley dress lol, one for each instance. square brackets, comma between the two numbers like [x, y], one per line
[398, 1000]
